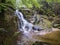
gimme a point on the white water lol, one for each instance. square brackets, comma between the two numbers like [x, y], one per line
[23, 24]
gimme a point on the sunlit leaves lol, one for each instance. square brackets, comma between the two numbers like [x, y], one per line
[35, 3]
[31, 3]
[27, 3]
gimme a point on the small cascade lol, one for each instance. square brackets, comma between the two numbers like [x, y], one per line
[23, 24]
[25, 27]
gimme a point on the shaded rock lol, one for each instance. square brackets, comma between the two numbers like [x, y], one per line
[2, 30]
[41, 43]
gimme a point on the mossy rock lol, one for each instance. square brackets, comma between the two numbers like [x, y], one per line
[53, 38]
[56, 26]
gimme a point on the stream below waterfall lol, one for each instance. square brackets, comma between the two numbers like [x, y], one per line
[28, 30]
[24, 26]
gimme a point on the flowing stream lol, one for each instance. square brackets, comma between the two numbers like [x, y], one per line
[24, 26]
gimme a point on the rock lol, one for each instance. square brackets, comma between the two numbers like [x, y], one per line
[2, 30]
[41, 43]
[35, 27]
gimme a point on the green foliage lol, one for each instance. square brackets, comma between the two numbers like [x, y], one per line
[35, 3]
[27, 3]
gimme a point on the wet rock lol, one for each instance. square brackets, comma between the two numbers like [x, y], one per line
[37, 28]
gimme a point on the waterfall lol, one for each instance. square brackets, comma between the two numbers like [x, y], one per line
[23, 24]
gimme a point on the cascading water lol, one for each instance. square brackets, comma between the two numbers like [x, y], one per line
[23, 24]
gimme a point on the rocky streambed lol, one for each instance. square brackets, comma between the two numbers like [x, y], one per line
[44, 37]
